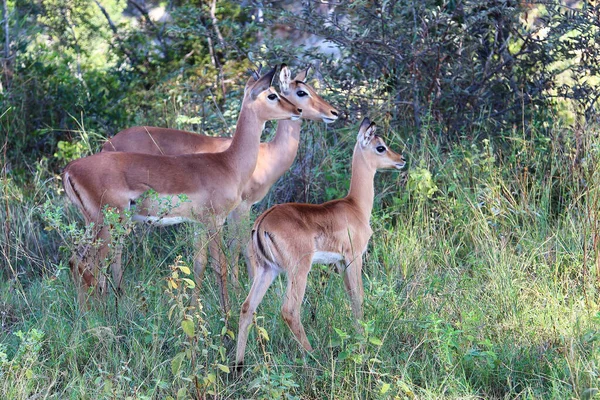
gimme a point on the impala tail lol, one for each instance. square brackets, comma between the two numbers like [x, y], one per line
[263, 245]
[73, 194]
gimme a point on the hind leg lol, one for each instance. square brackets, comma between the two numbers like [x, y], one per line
[294, 295]
[262, 280]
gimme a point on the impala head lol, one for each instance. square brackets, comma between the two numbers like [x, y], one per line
[313, 106]
[266, 102]
[375, 151]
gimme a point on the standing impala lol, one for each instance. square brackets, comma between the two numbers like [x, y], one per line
[291, 237]
[212, 183]
[274, 157]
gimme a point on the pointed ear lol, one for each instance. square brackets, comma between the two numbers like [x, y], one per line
[263, 83]
[303, 75]
[285, 78]
[366, 132]
[254, 76]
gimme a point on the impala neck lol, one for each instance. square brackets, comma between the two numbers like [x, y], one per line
[362, 190]
[243, 151]
[285, 143]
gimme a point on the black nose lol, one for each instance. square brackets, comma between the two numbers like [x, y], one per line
[334, 113]
[300, 110]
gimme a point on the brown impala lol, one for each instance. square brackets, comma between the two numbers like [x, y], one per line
[289, 238]
[213, 184]
[274, 158]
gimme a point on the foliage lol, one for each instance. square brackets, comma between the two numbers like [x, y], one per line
[481, 279]
[472, 66]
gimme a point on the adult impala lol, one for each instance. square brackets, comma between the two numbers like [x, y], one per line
[274, 157]
[212, 182]
[291, 237]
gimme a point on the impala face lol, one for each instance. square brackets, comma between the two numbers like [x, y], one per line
[305, 97]
[378, 154]
[389, 158]
[274, 106]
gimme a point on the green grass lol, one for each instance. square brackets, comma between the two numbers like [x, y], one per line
[481, 281]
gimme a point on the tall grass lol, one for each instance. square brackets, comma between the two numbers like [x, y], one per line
[480, 281]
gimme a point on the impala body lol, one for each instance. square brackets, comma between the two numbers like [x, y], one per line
[289, 238]
[274, 157]
[213, 184]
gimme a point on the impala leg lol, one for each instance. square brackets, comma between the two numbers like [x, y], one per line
[251, 261]
[220, 266]
[293, 300]
[260, 284]
[116, 266]
[354, 286]
[86, 266]
[239, 234]
[201, 257]
[234, 230]
[103, 241]
[83, 275]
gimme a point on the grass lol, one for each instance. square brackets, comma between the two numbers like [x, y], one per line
[480, 282]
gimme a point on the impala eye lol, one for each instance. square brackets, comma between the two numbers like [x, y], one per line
[301, 93]
[272, 96]
[380, 149]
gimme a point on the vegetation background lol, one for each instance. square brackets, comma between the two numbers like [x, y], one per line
[482, 275]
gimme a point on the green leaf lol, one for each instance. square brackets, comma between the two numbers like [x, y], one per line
[176, 363]
[190, 283]
[384, 388]
[188, 327]
[263, 333]
[210, 378]
[343, 335]
[375, 340]
[184, 269]
[223, 368]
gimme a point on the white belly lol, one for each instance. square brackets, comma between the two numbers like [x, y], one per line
[326, 257]
[158, 221]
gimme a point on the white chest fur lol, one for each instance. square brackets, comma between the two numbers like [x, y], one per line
[326, 257]
[160, 221]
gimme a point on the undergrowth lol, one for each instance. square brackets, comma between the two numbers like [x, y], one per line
[480, 282]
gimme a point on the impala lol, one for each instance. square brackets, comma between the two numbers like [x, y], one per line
[212, 183]
[291, 237]
[274, 157]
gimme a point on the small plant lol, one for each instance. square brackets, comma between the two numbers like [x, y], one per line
[18, 376]
[201, 359]
[273, 385]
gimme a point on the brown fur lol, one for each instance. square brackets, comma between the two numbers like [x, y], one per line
[287, 237]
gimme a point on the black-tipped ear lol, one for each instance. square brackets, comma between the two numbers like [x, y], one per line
[303, 75]
[366, 132]
[364, 124]
[263, 83]
[253, 74]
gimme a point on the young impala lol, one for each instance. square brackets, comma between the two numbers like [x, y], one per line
[291, 237]
[212, 183]
[274, 157]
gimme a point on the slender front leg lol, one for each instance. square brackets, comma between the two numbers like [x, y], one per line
[239, 234]
[260, 284]
[220, 266]
[354, 287]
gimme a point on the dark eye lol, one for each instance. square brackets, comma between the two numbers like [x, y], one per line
[272, 96]
[301, 93]
[380, 149]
